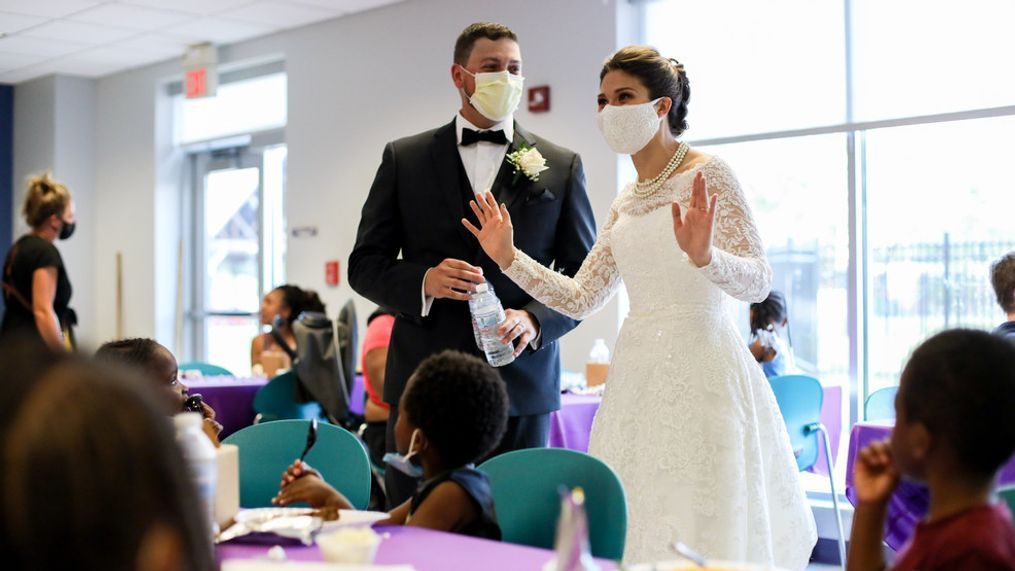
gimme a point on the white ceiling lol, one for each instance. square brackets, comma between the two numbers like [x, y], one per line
[93, 38]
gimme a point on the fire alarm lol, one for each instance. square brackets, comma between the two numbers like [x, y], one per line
[539, 99]
[331, 273]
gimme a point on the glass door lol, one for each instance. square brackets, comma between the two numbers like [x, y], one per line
[239, 238]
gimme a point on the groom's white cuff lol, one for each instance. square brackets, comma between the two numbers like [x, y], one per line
[427, 300]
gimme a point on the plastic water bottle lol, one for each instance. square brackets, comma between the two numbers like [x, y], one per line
[488, 314]
[199, 453]
[600, 353]
[475, 328]
[598, 365]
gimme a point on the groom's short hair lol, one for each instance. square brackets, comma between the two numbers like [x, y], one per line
[467, 39]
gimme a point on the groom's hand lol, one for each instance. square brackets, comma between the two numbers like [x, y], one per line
[518, 325]
[452, 279]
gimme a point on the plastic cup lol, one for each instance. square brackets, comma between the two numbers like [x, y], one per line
[356, 545]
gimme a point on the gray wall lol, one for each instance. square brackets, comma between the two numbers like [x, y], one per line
[354, 84]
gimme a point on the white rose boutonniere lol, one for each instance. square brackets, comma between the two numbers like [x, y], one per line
[527, 161]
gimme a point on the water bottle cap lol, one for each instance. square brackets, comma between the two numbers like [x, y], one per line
[186, 420]
[482, 288]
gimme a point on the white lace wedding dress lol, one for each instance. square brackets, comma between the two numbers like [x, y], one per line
[688, 420]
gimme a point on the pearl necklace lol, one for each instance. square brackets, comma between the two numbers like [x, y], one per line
[649, 187]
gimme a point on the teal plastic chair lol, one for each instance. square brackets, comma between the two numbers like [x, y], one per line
[525, 486]
[800, 398]
[1008, 494]
[206, 369]
[266, 450]
[880, 404]
[276, 400]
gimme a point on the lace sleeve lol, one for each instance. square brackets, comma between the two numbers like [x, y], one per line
[578, 297]
[738, 265]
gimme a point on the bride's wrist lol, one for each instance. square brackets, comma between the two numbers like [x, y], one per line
[506, 260]
[703, 260]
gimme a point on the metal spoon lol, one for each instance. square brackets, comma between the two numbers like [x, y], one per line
[689, 554]
[311, 438]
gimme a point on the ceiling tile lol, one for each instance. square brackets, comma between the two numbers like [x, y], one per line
[48, 8]
[15, 61]
[79, 32]
[202, 7]
[21, 74]
[83, 67]
[131, 17]
[10, 22]
[280, 14]
[113, 55]
[160, 44]
[349, 6]
[218, 30]
[37, 47]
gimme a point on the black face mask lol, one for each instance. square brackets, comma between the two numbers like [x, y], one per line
[68, 230]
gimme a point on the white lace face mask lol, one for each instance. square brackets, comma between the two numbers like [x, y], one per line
[628, 128]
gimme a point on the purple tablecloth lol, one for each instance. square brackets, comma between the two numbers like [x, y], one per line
[357, 396]
[232, 398]
[831, 417]
[425, 550]
[571, 425]
[910, 501]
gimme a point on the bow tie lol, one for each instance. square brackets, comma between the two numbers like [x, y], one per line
[470, 136]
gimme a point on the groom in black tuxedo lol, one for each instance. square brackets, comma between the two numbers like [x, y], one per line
[414, 255]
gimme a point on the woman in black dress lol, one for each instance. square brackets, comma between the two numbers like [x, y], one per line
[36, 289]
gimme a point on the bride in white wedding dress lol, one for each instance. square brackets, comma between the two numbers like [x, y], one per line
[688, 420]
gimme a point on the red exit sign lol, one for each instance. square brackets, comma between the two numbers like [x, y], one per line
[196, 82]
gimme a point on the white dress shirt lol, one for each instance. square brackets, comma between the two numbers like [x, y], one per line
[482, 161]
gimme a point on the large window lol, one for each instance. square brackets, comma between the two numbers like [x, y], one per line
[754, 66]
[235, 224]
[873, 139]
[940, 199]
[785, 181]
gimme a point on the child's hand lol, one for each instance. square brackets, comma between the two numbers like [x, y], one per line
[874, 474]
[211, 430]
[310, 489]
[297, 470]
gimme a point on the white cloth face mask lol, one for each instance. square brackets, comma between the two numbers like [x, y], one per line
[628, 128]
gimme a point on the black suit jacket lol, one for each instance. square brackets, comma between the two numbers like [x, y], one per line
[412, 221]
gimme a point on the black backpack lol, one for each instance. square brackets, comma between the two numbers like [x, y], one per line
[316, 364]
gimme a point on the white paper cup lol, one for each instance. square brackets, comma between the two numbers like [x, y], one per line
[356, 545]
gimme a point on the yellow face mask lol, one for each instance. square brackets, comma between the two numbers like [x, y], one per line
[497, 94]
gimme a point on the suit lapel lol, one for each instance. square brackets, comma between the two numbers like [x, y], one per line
[447, 164]
[504, 187]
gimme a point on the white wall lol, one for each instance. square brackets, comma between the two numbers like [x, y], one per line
[354, 84]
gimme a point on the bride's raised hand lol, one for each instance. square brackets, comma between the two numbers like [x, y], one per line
[694, 231]
[495, 233]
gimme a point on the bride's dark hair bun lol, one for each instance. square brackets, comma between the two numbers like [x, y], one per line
[664, 77]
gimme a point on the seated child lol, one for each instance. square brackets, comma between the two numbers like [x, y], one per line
[159, 365]
[453, 412]
[769, 319]
[954, 429]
